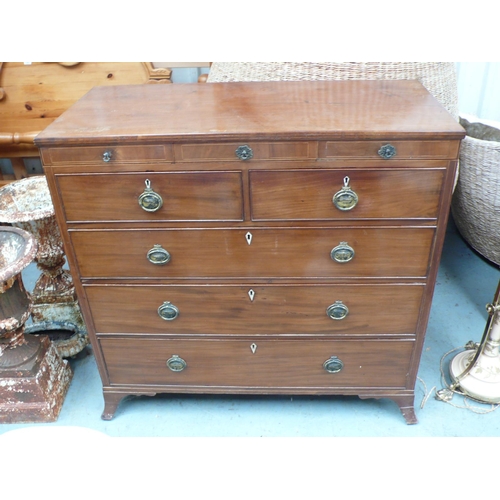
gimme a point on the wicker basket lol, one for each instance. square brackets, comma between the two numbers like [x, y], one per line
[439, 78]
[476, 201]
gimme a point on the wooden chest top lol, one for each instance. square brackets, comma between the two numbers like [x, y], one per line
[333, 110]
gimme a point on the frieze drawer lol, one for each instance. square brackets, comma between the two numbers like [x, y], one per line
[107, 155]
[241, 151]
[391, 150]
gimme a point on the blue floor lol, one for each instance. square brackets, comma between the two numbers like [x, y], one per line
[466, 283]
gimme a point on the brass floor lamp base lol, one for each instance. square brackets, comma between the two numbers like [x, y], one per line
[477, 371]
[483, 381]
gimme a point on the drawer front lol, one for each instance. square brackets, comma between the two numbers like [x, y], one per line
[107, 155]
[255, 309]
[402, 149]
[251, 151]
[265, 364]
[186, 196]
[382, 194]
[226, 253]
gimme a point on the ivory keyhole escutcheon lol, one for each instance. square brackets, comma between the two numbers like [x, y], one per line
[253, 348]
[251, 294]
[249, 237]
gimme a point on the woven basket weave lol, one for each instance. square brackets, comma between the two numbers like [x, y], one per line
[439, 78]
[476, 200]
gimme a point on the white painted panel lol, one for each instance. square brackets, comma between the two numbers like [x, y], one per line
[479, 89]
[490, 105]
[470, 78]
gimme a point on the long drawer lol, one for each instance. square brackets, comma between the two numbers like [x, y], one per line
[186, 196]
[255, 309]
[257, 363]
[254, 252]
[308, 194]
[108, 155]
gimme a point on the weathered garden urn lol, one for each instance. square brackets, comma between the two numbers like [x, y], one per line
[34, 379]
[27, 204]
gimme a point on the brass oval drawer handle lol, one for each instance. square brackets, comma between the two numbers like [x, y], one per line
[342, 253]
[158, 255]
[176, 363]
[107, 155]
[337, 311]
[244, 152]
[387, 151]
[333, 365]
[168, 311]
[346, 198]
[149, 200]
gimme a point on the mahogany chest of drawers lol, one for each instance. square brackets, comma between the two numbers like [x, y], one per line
[264, 238]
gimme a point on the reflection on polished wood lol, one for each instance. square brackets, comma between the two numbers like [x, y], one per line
[247, 173]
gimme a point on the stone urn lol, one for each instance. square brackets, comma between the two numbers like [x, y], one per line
[27, 204]
[34, 378]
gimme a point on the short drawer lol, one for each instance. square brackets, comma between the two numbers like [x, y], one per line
[253, 252]
[255, 309]
[185, 196]
[258, 363]
[246, 151]
[402, 149]
[107, 155]
[381, 194]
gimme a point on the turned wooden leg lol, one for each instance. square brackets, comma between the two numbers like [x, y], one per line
[19, 168]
